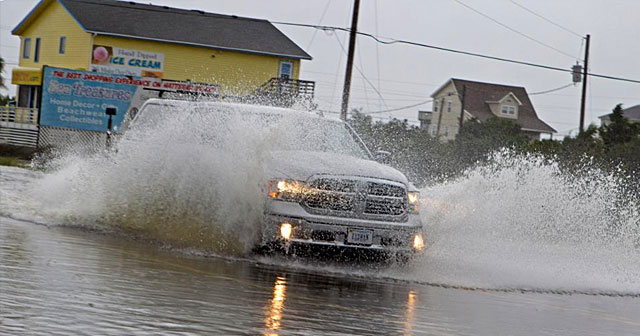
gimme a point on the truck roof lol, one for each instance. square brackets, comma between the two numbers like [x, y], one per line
[262, 109]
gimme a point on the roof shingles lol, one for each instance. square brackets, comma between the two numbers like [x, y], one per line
[182, 26]
[478, 94]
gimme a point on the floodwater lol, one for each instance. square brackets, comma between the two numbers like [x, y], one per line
[60, 280]
[156, 238]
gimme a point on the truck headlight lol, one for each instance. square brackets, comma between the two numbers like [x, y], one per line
[288, 190]
[285, 230]
[413, 198]
[418, 242]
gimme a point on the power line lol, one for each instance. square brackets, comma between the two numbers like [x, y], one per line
[375, 8]
[393, 109]
[514, 30]
[364, 83]
[400, 108]
[569, 108]
[364, 99]
[373, 117]
[382, 79]
[552, 90]
[333, 93]
[362, 73]
[495, 58]
[402, 93]
[324, 12]
[548, 20]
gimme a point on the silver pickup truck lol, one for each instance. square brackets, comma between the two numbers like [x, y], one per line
[322, 185]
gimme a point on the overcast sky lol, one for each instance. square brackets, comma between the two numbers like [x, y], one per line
[406, 75]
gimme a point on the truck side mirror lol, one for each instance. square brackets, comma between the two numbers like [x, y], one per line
[382, 156]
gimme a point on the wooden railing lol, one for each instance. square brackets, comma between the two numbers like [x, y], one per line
[19, 115]
[286, 91]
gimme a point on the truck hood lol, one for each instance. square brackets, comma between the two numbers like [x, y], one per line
[301, 165]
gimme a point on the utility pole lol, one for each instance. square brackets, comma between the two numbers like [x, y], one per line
[584, 83]
[352, 51]
[464, 89]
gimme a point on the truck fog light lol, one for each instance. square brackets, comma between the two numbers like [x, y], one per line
[285, 230]
[418, 243]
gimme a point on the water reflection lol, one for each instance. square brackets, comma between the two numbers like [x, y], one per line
[409, 312]
[56, 280]
[273, 319]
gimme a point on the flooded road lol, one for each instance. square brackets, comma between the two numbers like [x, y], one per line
[157, 239]
[61, 280]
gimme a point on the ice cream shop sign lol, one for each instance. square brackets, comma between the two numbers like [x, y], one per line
[129, 62]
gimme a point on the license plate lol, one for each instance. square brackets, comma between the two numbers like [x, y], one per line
[356, 236]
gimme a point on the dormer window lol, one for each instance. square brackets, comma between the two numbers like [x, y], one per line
[507, 107]
[508, 110]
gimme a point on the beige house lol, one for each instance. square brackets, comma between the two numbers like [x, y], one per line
[482, 101]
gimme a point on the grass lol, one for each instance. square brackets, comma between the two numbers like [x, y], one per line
[13, 162]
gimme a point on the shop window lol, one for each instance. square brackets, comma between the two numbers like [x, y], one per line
[63, 45]
[36, 51]
[26, 47]
[29, 96]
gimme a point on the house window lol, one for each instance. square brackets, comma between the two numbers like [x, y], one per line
[36, 51]
[435, 106]
[446, 131]
[26, 47]
[508, 110]
[285, 69]
[63, 45]
[449, 106]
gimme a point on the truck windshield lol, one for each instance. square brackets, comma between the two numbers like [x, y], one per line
[277, 129]
[319, 135]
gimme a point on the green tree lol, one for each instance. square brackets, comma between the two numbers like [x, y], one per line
[620, 130]
[621, 140]
[476, 140]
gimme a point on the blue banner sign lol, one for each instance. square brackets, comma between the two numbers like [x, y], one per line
[78, 99]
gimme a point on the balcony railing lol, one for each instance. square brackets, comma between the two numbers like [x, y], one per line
[19, 115]
[286, 91]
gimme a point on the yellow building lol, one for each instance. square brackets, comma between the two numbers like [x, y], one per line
[236, 54]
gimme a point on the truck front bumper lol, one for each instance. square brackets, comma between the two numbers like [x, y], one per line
[331, 231]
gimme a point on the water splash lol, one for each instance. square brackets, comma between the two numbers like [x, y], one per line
[189, 183]
[522, 222]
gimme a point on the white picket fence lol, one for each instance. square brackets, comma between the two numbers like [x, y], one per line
[19, 126]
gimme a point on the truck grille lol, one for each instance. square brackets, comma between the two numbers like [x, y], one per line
[332, 194]
[357, 197]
